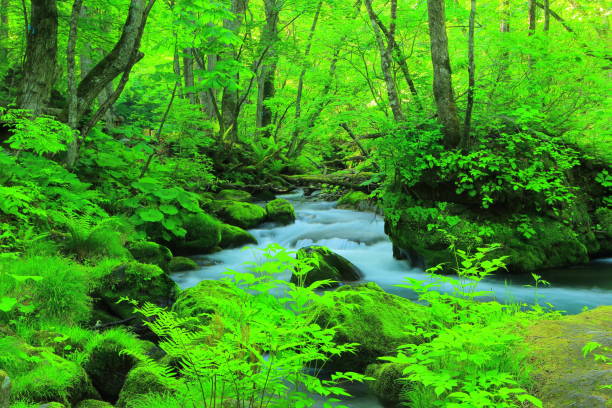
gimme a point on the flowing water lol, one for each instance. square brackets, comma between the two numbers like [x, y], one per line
[360, 237]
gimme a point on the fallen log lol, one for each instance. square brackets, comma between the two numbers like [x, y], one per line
[349, 180]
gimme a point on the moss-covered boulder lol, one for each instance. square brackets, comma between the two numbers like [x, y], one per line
[207, 297]
[325, 265]
[5, 389]
[151, 253]
[92, 403]
[234, 195]
[136, 281]
[280, 211]
[203, 235]
[234, 237]
[355, 200]
[387, 384]
[563, 377]
[530, 242]
[367, 315]
[243, 215]
[107, 365]
[40, 376]
[603, 218]
[139, 382]
[182, 264]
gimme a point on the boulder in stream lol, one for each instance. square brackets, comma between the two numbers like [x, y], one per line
[326, 265]
[243, 215]
[280, 211]
[233, 237]
[182, 264]
[203, 235]
[206, 298]
[355, 200]
[151, 253]
[141, 381]
[234, 195]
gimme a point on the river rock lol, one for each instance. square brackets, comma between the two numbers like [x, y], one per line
[136, 281]
[206, 298]
[203, 235]
[387, 384]
[5, 389]
[141, 381]
[280, 211]
[563, 377]
[234, 195]
[92, 403]
[243, 215]
[367, 315]
[355, 200]
[233, 237]
[182, 264]
[325, 265]
[151, 253]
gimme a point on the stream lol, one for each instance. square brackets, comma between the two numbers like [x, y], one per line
[359, 237]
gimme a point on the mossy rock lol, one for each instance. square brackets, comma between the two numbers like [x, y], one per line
[151, 253]
[203, 235]
[139, 282]
[5, 389]
[563, 377]
[367, 315]
[243, 215]
[325, 265]
[107, 365]
[280, 211]
[139, 382]
[52, 405]
[44, 377]
[355, 200]
[387, 385]
[91, 403]
[552, 244]
[182, 264]
[234, 195]
[234, 237]
[603, 218]
[207, 297]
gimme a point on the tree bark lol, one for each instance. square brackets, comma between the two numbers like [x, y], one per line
[40, 68]
[266, 88]
[72, 80]
[122, 58]
[546, 15]
[4, 29]
[504, 25]
[385, 62]
[532, 17]
[188, 75]
[442, 84]
[471, 74]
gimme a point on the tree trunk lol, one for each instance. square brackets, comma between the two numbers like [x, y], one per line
[442, 84]
[229, 104]
[72, 81]
[188, 75]
[176, 66]
[504, 25]
[471, 74]
[532, 17]
[121, 59]
[4, 29]
[546, 15]
[266, 88]
[385, 62]
[40, 68]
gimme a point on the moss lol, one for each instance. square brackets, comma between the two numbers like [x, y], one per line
[203, 235]
[232, 237]
[280, 211]
[243, 215]
[387, 384]
[107, 365]
[355, 200]
[234, 195]
[5, 389]
[139, 382]
[180, 264]
[151, 253]
[206, 297]
[564, 378]
[603, 218]
[139, 282]
[91, 403]
[325, 265]
[367, 315]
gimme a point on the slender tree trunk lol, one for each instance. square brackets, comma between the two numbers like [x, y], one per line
[471, 75]
[266, 88]
[176, 67]
[504, 25]
[385, 62]
[546, 15]
[188, 75]
[72, 81]
[40, 68]
[230, 102]
[532, 17]
[4, 29]
[123, 57]
[442, 84]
